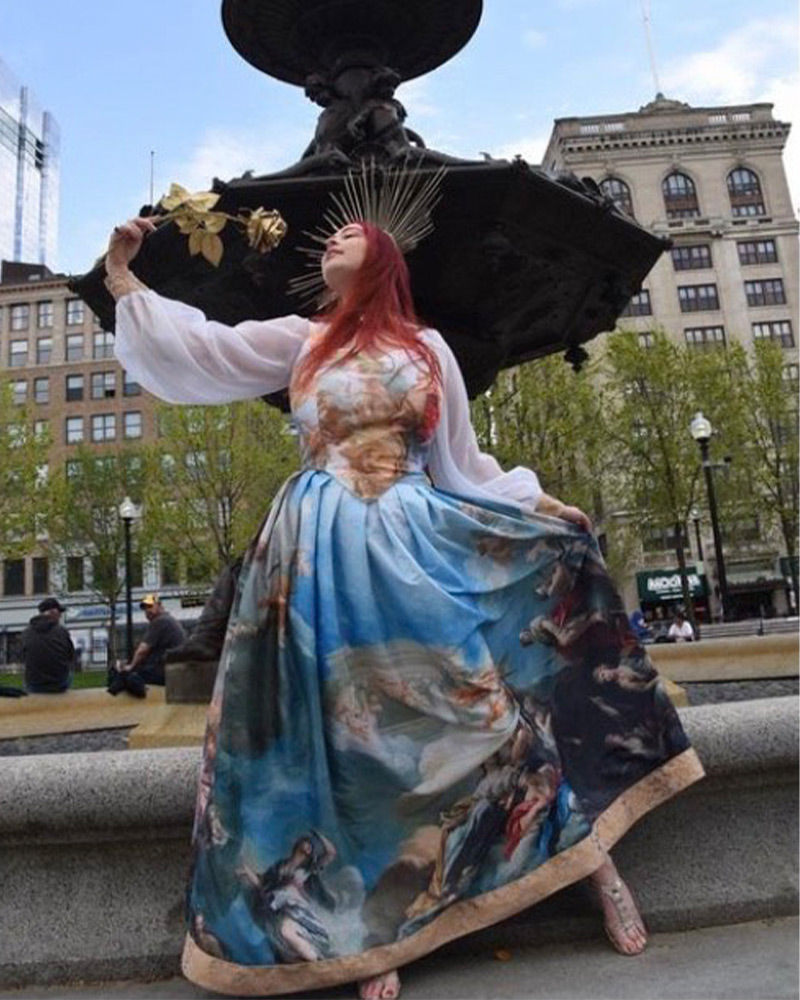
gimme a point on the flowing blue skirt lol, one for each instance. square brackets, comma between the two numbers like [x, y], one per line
[430, 713]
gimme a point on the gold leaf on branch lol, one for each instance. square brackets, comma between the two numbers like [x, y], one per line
[195, 241]
[212, 248]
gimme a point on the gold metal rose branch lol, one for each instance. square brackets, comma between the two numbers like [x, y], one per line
[194, 216]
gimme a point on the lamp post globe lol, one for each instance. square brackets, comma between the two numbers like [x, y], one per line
[700, 427]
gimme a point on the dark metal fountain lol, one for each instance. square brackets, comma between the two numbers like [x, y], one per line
[520, 265]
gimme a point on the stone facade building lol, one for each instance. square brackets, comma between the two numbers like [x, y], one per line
[713, 181]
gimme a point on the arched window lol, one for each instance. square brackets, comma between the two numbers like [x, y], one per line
[744, 190]
[619, 192]
[680, 196]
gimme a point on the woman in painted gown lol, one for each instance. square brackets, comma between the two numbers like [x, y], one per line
[430, 711]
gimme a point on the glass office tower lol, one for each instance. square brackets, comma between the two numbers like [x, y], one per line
[29, 175]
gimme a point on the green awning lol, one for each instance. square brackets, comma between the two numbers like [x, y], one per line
[665, 585]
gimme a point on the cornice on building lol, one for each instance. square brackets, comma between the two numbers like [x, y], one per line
[664, 124]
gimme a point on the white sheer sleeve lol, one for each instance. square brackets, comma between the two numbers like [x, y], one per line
[456, 463]
[174, 352]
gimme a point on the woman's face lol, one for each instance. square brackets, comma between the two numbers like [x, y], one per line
[344, 254]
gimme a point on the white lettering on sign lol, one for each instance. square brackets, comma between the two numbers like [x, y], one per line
[661, 584]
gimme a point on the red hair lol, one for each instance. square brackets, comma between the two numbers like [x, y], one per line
[378, 310]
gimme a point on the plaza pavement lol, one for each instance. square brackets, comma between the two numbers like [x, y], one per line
[750, 961]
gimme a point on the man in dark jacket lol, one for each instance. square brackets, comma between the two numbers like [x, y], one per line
[47, 651]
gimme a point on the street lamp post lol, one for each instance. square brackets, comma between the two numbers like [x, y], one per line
[695, 513]
[700, 428]
[128, 511]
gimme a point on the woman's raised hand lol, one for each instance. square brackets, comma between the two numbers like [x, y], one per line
[126, 241]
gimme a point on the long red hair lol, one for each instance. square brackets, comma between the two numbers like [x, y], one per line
[378, 310]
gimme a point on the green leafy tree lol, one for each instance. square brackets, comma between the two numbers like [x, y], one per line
[650, 394]
[765, 408]
[546, 416]
[85, 518]
[219, 467]
[24, 489]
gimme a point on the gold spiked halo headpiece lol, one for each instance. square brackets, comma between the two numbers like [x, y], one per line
[398, 200]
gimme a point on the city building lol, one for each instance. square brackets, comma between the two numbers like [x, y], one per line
[29, 175]
[713, 181]
[60, 361]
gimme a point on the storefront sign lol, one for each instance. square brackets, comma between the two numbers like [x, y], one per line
[665, 585]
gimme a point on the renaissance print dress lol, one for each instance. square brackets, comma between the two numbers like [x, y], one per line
[430, 710]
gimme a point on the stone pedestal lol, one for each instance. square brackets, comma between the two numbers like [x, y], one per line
[190, 683]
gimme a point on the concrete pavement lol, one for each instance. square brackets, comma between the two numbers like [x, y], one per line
[750, 961]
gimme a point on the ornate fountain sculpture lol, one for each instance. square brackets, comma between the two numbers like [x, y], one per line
[520, 265]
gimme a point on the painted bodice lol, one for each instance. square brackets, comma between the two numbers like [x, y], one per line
[367, 420]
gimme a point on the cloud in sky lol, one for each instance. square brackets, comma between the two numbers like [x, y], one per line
[415, 98]
[227, 153]
[534, 39]
[756, 62]
[738, 69]
[531, 148]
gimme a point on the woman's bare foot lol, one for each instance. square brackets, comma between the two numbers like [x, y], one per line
[623, 922]
[383, 987]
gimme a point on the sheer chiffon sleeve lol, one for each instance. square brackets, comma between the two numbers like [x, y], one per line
[174, 352]
[456, 463]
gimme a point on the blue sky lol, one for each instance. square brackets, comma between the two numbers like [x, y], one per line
[127, 78]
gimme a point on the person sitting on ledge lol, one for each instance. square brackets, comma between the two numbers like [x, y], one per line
[147, 665]
[47, 651]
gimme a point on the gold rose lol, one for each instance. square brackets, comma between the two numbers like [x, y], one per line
[194, 216]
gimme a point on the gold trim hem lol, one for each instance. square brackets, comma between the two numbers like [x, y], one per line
[460, 918]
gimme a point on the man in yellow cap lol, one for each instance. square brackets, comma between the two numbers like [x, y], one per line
[147, 666]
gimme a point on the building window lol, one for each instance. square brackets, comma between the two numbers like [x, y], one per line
[660, 540]
[639, 305]
[73, 468]
[757, 252]
[129, 387]
[780, 330]
[41, 390]
[132, 424]
[646, 338]
[14, 577]
[74, 351]
[74, 430]
[104, 385]
[74, 388]
[705, 337]
[41, 575]
[104, 427]
[765, 293]
[19, 389]
[680, 196]
[791, 377]
[170, 572]
[44, 315]
[75, 579]
[691, 258]
[75, 312]
[744, 191]
[20, 317]
[44, 350]
[41, 428]
[619, 192]
[102, 345]
[696, 298]
[18, 353]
